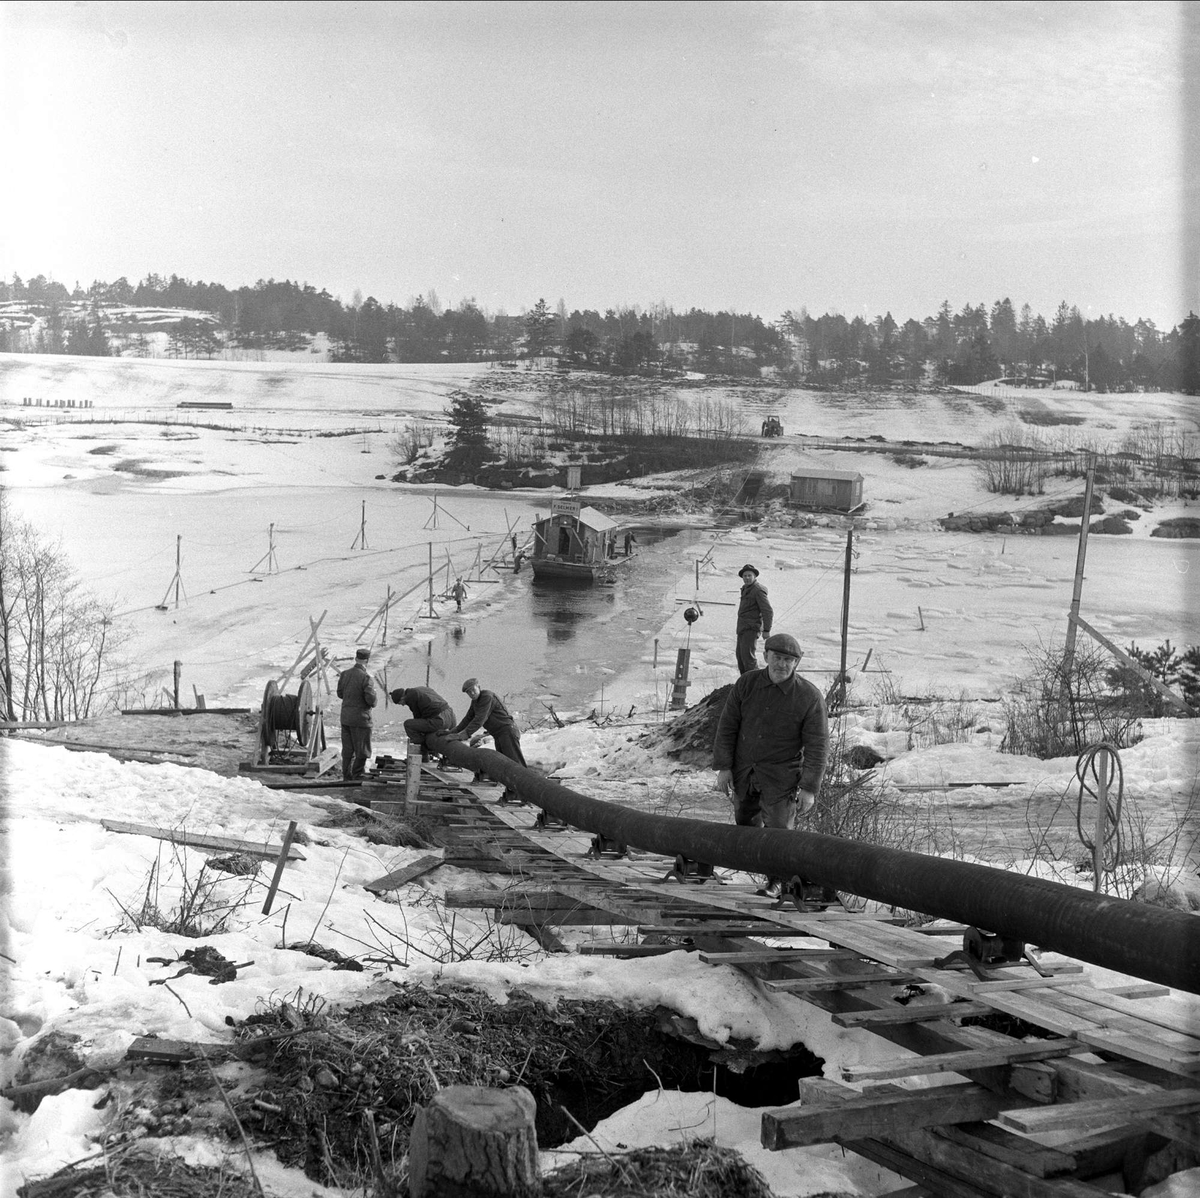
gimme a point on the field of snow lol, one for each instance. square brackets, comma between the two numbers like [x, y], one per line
[950, 615]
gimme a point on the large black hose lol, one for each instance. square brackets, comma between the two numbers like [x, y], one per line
[1148, 942]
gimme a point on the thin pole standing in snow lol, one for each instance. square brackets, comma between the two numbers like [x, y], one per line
[360, 541]
[269, 556]
[177, 578]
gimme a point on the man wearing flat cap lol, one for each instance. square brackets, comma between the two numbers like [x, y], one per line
[771, 742]
[488, 713]
[754, 615]
[356, 689]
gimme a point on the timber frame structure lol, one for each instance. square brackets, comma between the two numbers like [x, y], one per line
[1059, 1077]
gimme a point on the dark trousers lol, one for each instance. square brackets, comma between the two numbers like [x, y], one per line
[509, 744]
[418, 729]
[746, 641]
[751, 810]
[356, 748]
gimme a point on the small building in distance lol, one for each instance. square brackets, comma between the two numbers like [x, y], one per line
[836, 490]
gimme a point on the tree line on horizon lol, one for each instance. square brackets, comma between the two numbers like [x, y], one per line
[962, 347]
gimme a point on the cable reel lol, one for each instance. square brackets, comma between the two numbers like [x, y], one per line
[289, 726]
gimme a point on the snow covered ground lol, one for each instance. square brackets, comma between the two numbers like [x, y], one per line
[950, 615]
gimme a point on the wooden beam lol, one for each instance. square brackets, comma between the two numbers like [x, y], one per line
[1137, 667]
[961, 1170]
[1000, 1145]
[198, 841]
[831, 1111]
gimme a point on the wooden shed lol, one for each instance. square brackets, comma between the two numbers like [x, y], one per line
[839, 490]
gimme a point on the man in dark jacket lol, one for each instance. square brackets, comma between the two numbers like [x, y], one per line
[771, 742]
[754, 614]
[488, 713]
[356, 689]
[431, 713]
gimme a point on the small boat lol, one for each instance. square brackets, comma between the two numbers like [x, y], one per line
[576, 542]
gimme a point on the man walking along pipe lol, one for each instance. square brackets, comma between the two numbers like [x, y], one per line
[754, 614]
[430, 713]
[771, 743]
[356, 689]
[490, 714]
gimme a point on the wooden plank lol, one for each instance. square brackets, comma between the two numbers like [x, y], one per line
[958, 1062]
[1136, 990]
[580, 915]
[717, 929]
[197, 840]
[172, 1052]
[405, 874]
[1185, 1021]
[776, 956]
[1101, 1112]
[886, 1016]
[1146, 1049]
[602, 948]
[848, 981]
[830, 1111]
[95, 746]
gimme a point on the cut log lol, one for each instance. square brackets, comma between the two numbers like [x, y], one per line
[473, 1142]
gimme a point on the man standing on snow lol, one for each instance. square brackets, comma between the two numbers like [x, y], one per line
[771, 743]
[431, 713]
[458, 592]
[754, 614]
[356, 689]
[488, 713]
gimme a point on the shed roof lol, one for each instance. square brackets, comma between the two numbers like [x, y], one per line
[594, 519]
[838, 475]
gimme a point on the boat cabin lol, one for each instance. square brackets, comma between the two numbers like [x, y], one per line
[574, 541]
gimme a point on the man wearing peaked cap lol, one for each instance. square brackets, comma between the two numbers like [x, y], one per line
[754, 615]
[356, 689]
[771, 742]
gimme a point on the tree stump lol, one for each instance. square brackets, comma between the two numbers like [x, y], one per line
[473, 1142]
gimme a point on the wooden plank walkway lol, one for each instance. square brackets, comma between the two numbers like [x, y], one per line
[1025, 1050]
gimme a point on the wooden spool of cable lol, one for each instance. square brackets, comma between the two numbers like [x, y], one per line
[284, 716]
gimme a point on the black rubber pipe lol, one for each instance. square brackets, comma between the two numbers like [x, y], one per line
[1147, 942]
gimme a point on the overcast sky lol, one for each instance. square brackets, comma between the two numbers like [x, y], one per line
[860, 158]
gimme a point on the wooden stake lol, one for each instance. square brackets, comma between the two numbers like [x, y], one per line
[279, 864]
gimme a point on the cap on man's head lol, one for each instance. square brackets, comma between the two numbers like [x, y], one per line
[470, 685]
[780, 642]
[749, 567]
[362, 654]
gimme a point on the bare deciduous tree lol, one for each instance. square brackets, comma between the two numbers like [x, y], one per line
[55, 636]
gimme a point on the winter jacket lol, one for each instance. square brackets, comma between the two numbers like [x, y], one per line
[777, 730]
[754, 609]
[425, 703]
[356, 689]
[486, 712]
